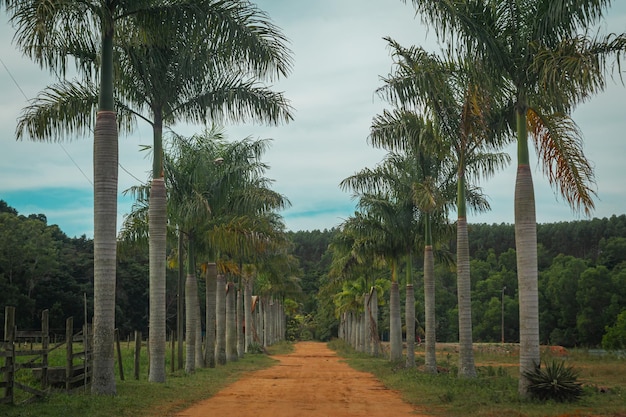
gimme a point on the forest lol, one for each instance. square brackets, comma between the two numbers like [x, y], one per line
[582, 282]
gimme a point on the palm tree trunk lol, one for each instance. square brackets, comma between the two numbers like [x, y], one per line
[266, 322]
[360, 326]
[191, 303]
[105, 247]
[231, 325]
[247, 307]
[395, 324]
[466, 350]
[374, 322]
[220, 320]
[526, 248]
[190, 324]
[180, 301]
[239, 323]
[367, 340]
[198, 342]
[430, 364]
[409, 314]
[157, 218]
[352, 329]
[209, 341]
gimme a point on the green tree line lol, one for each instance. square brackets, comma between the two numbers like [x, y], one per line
[42, 268]
[581, 297]
[582, 287]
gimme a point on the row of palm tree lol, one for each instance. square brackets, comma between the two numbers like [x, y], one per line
[517, 70]
[540, 59]
[220, 202]
[161, 62]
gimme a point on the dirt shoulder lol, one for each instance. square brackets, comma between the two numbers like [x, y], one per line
[310, 382]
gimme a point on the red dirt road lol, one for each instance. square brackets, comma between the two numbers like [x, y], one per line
[310, 382]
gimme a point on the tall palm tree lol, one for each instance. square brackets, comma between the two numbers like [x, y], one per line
[254, 239]
[208, 200]
[211, 73]
[452, 95]
[183, 84]
[51, 33]
[429, 175]
[389, 222]
[547, 64]
[352, 260]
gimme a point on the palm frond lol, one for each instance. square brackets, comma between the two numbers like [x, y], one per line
[558, 142]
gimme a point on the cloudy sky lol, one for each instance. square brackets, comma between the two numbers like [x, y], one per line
[339, 58]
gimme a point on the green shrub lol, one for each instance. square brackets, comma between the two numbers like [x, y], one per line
[255, 347]
[615, 336]
[554, 381]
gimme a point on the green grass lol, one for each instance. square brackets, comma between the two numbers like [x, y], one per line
[139, 398]
[494, 392]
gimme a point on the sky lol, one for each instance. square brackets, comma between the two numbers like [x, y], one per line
[339, 59]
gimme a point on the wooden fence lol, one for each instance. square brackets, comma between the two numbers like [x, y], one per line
[76, 374]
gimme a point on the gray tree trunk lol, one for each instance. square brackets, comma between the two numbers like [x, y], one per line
[231, 323]
[239, 323]
[180, 303]
[105, 246]
[198, 342]
[266, 323]
[526, 248]
[209, 341]
[373, 327]
[220, 320]
[466, 350]
[395, 325]
[247, 310]
[157, 218]
[367, 345]
[191, 311]
[409, 313]
[430, 365]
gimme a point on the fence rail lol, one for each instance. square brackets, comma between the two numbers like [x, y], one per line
[69, 377]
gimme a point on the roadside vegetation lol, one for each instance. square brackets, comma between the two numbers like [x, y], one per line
[494, 391]
[139, 398]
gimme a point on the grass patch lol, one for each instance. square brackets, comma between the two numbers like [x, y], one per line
[138, 398]
[494, 392]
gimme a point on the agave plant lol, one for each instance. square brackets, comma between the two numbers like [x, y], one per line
[554, 381]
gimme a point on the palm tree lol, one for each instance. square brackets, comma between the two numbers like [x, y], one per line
[452, 95]
[389, 222]
[277, 278]
[181, 77]
[353, 259]
[210, 202]
[545, 67]
[428, 171]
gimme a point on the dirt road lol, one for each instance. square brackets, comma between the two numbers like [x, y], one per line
[310, 382]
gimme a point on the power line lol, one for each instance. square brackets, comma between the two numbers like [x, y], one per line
[60, 144]
[27, 99]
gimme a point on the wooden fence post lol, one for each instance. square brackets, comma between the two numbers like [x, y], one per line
[69, 342]
[45, 339]
[137, 352]
[88, 348]
[9, 337]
